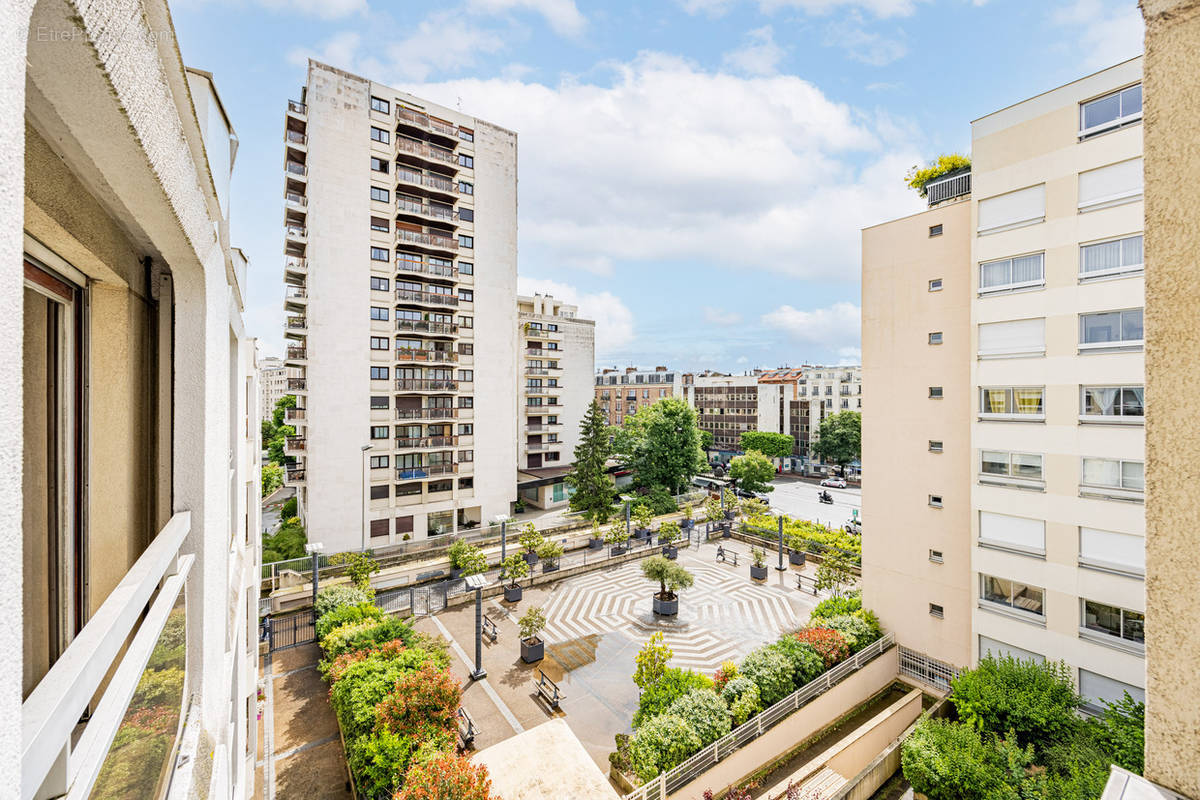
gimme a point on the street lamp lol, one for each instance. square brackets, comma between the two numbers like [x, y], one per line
[477, 582]
[363, 523]
[315, 548]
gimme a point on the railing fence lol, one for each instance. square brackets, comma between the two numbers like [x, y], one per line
[927, 670]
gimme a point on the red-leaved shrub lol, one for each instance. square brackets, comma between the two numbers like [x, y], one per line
[829, 644]
[422, 703]
[446, 777]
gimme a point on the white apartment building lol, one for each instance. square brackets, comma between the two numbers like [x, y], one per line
[1057, 516]
[130, 483]
[622, 392]
[829, 390]
[272, 383]
[730, 405]
[558, 352]
[401, 265]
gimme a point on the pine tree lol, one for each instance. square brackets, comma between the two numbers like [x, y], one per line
[594, 491]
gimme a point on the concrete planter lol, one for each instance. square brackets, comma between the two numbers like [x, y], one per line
[796, 558]
[671, 551]
[617, 550]
[549, 566]
[532, 650]
[730, 514]
[595, 544]
[455, 572]
[688, 524]
[641, 533]
[666, 608]
[531, 558]
[758, 573]
[513, 594]
[727, 531]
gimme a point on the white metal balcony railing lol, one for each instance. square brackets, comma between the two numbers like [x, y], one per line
[427, 239]
[296, 231]
[429, 181]
[296, 199]
[426, 385]
[425, 355]
[426, 471]
[55, 759]
[296, 137]
[426, 413]
[424, 442]
[422, 150]
[297, 293]
[426, 268]
[948, 187]
[425, 209]
[426, 326]
[296, 264]
[431, 298]
[425, 121]
[296, 168]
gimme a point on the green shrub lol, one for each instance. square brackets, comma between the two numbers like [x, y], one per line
[660, 744]
[944, 760]
[362, 687]
[705, 711]
[673, 684]
[806, 663]
[290, 508]
[771, 672]
[467, 557]
[661, 501]
[741, 694]
[365, 634]
[1037, 701]
[337, 596]
[872, 619]
[378, 761]
[343, 615]
[837, 606]
[1120, 733]
[1079, 781]
[854, 630]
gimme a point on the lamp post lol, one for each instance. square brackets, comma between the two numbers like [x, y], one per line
[781, 567]
[363, 522]
[315, 549]
[477, 582]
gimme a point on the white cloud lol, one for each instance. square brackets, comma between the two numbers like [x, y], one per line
[759, 56]
[869, 47]
[1105, 31]
[878, 8]
[838, 327]
[325, 9]
[561, 15]
[614, 320]
[652, 166]
[715, 316]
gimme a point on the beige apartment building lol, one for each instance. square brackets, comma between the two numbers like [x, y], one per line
[558, 354]
[622, 392]
[916, 299]
[401, 268]
[272, 383]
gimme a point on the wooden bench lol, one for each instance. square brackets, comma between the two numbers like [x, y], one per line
[728, 556]
[489, 630]
[801, 580]
[548, 689]
[466, 727]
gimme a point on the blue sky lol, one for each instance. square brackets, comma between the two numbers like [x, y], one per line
[693, 173]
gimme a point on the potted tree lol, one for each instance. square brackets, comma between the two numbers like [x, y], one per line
[514, 568]
[688, 522]
[549, 552]
[616, 537]
[668, 532]
[758, 569]
[466, 559]
[530, 539]
[671, 578]
[531, 623]
[596, 540]
[644, 517]
[796, 550]
[731, 503]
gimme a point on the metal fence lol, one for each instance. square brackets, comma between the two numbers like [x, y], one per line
[674, 779]
[929, 671]
[290, 631]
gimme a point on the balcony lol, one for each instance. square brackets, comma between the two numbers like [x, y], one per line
[423, 267]
[426, 326]
[425, 298]
[297, 354]
[297, 384]
[426, 356]
[425, 442]
[296, 233]
[297, 108]
[426, 385]
[536, 371]
[408, 206]
[428, 180]
[427, 471]
[948, 187]
[425, 151]
[295, 267]
[296, 201]
[417, 119]
[427, 239]
[541, 447]
[295, 476]
[542, 333]
[542, 426]
[296, 170]
[296, 414]
[295, 298]
[297, 323]
[294, 443]
[296, 139]
[426, 413]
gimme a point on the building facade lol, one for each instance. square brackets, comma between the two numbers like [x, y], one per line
[272, 384]
[828, 390]
[400, 259]
[558, 351]
[622, 392]
[130, 453]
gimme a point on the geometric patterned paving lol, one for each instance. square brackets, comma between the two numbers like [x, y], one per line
[721, 617]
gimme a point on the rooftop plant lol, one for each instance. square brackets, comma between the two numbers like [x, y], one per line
[918, 177]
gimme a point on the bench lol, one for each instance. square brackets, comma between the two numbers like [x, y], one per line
[728, 556]
[811, 587]
[548, 689]
[489, 630]
[466, 727]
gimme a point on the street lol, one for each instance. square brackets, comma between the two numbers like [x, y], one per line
[798, 498]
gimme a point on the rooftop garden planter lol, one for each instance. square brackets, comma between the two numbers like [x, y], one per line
[513, 593]
[549, 552]
[617, 550]
[666, 608]
[758, 569]
[596, 538]
[668, 534]
[644, 518]
[671, 579]
[796, 558]
[531, 623]
[530, 557]
[616, 538]
[513, 569]
[532, 650]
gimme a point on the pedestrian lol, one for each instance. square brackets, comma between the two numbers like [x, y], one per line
[720, 553]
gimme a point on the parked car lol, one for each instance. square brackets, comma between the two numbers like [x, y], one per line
[834, 483]
[749, 495]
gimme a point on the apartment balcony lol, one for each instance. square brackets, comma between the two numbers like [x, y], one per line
[413, 150]
[295, 298]
[296, 140]
[296, 233]
[536, 371]
[295, 270]
[296, 414]
[949, 187]
[425, 442]
[297, 384]
[426, 385]
[542, 426]
[413, 296]
[427, 182]
[426, 356]
[536, 352]
[296, 328]
[69, 720]
[423, 267]
[425, 471]
[295, 201]
[542, 334]
[431, 240]
[406, 207]
[294, 443]
[542, 447]
[295, 477]
[408, 118]
[426, 413]
[426, 327]
[536, 391]
[296, 356]
[297, 110]
[296, 171]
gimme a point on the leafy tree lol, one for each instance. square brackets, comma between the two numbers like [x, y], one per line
[706, 440]
[467, 557]
[532, 622]
[286, 543]
[594, 490]
[771, 445]
[272, 478]
[530, 538]
[917, 177]
[550, 551]
[806, 663]
[514, 568]
[840, 438]
[661, 442]
[1120, 733]
[661, 743]
[422, 700]
[1036, 701]
[643, 517]
[274, 432]
[671, 576]
[446, 777]
[616, 534]
[291, 507]
[360, 567]
[651, 661]
[752, 471]
[771, 672]
[834, 572]
[668, 532]
[946, 761]
[705, 711]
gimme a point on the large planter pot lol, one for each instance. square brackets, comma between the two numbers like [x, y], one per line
[617, 550]
[595, 544]
[796, 558]
[455, 572]
[513, 594]
[726, 531]
[758, 573]
[641, 533]
[688, 524]
[531, 558]
[671, 551]
[549, 566]
[730, 514]
[666, 608]
[532, 650]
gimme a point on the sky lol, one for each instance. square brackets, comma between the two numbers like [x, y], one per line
[694, 174]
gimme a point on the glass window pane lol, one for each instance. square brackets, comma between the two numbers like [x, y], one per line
[1133, 403]
[1131, 325]
[1027, 598]
[992, 401]
[1101, 472]
[1028, 401]
[1133, 626]
[1027, 269]
[1131, 251]
[993, 274]
[997, 590]
[1099, 328]
[1133, 475]
[1102, 256]
[1131, 100]
[1100, 400]
[1106, 109]
[994, 462]
[1102, 618]
[1027, 465]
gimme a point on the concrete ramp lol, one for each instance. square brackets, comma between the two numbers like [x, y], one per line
[545, 763]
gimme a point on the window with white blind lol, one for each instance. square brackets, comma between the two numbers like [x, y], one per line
[1113, 257]
[1111, 330]
[1100, 690]
[1113, 110]
[1010, 274]
[1013, 210]
[1112, 552]
[1012, 533]
[1014, 338]
[1003, 467]
[999, 649]
[1111, 185]
[1112, 478]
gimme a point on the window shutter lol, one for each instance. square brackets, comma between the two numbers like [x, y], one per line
[1016, 337]
[1022, 207]
[1111, 185]
[1123, 550]
[1006, 531]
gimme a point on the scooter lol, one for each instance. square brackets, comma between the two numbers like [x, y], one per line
[825, 497]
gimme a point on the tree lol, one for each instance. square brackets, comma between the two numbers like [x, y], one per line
[446, 777]
[840, 438]
[671, 577]
[661, 442]
[1035, 701]
[272, 478]
[706, 440]
[771, 445]
[467, 557]
[530, 539]
[651, 661]
[532, 622]
[752, 471]
[360, 567]
[514, 568]
[834, 572]
[594, 490]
